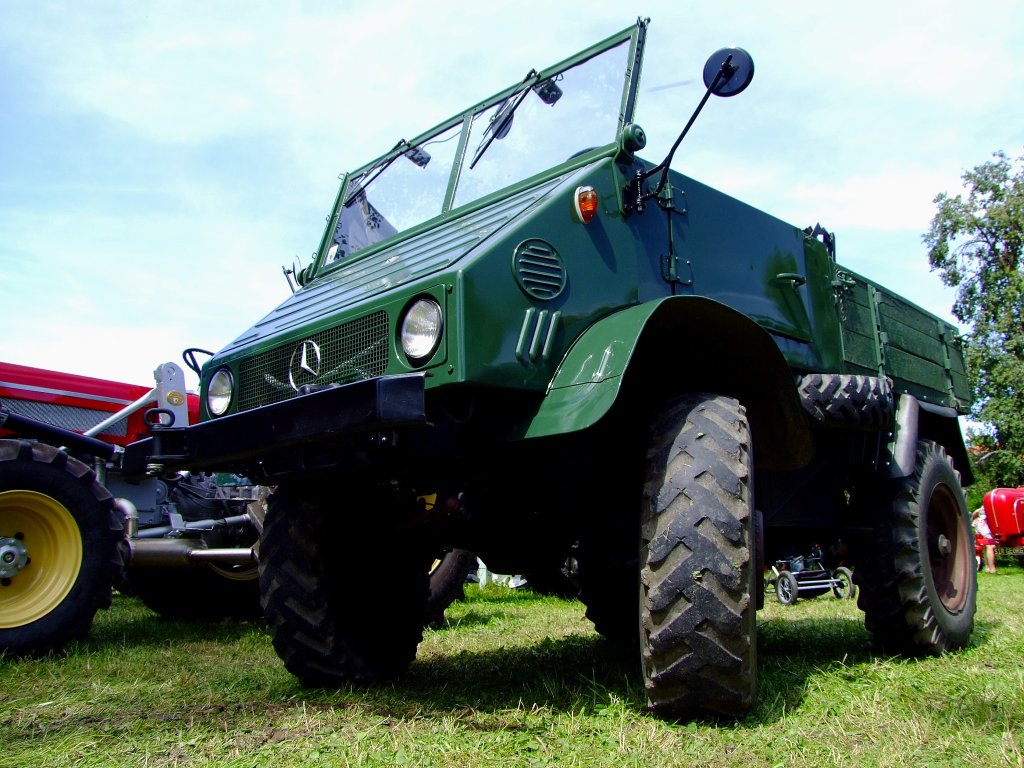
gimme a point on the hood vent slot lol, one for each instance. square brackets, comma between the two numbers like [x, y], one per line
[539, 269]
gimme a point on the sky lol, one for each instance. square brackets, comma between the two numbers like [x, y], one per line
[160, 162]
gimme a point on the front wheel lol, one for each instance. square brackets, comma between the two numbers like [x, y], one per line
[698, 631]
[58, 548]
[327, 622]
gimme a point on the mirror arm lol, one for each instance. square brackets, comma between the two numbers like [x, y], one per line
[636, 185]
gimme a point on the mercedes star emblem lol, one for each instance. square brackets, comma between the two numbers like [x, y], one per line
[304, 366]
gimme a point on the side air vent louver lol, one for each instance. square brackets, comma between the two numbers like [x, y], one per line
[539, 269]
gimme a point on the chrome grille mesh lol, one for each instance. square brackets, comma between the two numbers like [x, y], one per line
[349, 352]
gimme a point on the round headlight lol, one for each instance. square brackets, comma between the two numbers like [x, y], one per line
[218, 394]
[421, 330]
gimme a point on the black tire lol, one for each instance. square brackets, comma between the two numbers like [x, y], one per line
[562, 581]
[787, 588]
[919, 589]
[204, 592]
[698, 627]
[609, 589]
[326, 624]
[59, 537]
[846, 589]
[844, 400]
[447, 583]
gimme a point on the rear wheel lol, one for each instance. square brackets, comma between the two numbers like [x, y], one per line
[698, 630]
[204, 592]
[447, 583]
[58, 548]
[326, 624]
[918, 591]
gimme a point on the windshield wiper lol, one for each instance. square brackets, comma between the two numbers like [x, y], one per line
[502, 119]
[415, 154]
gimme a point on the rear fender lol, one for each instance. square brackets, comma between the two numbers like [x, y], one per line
[674, 345]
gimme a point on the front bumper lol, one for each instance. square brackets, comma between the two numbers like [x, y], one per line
[244, 441]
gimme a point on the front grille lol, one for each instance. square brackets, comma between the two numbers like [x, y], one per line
[71, 417]
[349, 352]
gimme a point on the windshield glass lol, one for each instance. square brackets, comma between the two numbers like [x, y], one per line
[563, 115]
[385, 200]
[547, 119]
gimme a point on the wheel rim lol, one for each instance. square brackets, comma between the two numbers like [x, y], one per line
[53, 544]
[949, 555]
[784, 590]
[843, 587]
[236, 572]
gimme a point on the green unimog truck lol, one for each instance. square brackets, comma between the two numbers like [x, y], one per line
[578, 355]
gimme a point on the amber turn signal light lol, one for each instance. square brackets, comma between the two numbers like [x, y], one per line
[585, 201]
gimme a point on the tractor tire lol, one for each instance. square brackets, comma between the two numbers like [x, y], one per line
[844, 400]
[204, 592]
[59, 555]
[918, 590]
[787, 588]
[327, 626]
[561, 582]
[698, 627]
[608, 575]
[447, 583]
[846, 589]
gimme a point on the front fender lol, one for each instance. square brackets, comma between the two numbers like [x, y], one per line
[588, 379]
[673, 345]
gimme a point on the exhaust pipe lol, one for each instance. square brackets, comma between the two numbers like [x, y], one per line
[176, 553]
[182, 553]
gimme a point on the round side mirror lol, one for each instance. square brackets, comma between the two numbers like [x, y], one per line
[736, 68]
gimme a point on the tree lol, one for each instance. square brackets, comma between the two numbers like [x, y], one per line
[976, 242]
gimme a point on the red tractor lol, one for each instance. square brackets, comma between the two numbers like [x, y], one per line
[1004, 511]
[71, 528]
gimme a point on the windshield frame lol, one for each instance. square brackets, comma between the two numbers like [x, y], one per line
[635, 35]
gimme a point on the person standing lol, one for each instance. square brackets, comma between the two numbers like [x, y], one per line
[980, 523]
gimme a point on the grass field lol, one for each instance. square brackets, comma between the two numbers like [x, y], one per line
[516, 680]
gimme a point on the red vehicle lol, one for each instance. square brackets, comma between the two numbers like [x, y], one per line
[83, 403]
[1004, 510]
[71, 527]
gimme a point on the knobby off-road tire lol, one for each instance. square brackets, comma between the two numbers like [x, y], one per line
[327, 624]
[918, 590]
[844, 400]
[203, 592]
[698, 627]
[58, 524]
[447, 583]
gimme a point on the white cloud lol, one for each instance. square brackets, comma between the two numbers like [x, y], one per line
[199, 143]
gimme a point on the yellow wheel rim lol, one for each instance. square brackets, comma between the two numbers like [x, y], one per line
[53, 542]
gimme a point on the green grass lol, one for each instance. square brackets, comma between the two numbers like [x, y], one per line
[516, 680]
